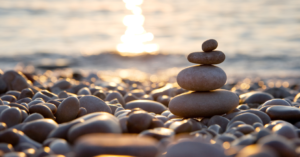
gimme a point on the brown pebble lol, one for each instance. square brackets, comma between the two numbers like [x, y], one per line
[62, 130]
[147, 105]
[127, 145]
[245, 128]
[104, 123]
[11, 116]
[201, 78]
[9, 136]
[14, 93]
[27, 92]
[156, 123]
[209, 45]
[193, 148]
[93, 104]
[67, 110]
[15, 80]
[129, 97]
[220, 121]
[100, 94]
[42, 109]
[286, 130]
[10, 98]
[45, 126]
[248, 118]
[84, 91]
[184, 126]
[158, 133]
[82, 111]
[139, 121]
[115, 94]
[33, 116]
[214, 57]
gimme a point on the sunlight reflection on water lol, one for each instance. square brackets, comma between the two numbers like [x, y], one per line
[135, 40]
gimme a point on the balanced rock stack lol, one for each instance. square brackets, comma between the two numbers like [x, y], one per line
[205, 99]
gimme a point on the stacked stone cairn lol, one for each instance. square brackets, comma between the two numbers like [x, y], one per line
[205, 99]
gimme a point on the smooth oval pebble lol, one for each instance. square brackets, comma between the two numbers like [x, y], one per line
[255, 98]
[203, 104]
[32, 117]
[158, 133]
[194, 149]
[138, 121]
[60, 146]
[104, 123]
[201, 78]
[277, 102]
[287, 113]
[209, 45]
[11, 116]
[248, 118]
[113, 144]
[38, 130]
[115, 94]
[221, 121]
[67, 110]
[93, 104]
[42, 109]
[9, 136]
[147, 105]
[285, 130]
[214, 57]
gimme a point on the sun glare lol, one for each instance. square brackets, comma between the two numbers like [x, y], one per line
[136, 39]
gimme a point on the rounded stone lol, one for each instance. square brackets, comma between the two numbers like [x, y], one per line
[93, 104]
[11, 116]
[203, 104]
[214, 57]
[67, 110]
[194, 149]
[247, 118]
[276, 102]
[60, 146]
[113, 144]
[33, 116]
[15, 80]
[82, 111]
[42, 109]
[139, 121]
[147, 105]
[209, 45]
[115, 94]
[158, 133]
[104, 123]
[38, 130]
[255, 98]
[201, 78]
[286, 130]
[27, 92]
[287, 113]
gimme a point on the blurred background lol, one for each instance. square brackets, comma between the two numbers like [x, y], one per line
[260, 38]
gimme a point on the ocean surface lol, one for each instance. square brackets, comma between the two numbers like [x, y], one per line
[259, 37]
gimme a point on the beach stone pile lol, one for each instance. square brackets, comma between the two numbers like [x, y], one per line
[205, 99]
[51, 114]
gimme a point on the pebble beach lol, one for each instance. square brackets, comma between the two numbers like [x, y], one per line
[197, 111]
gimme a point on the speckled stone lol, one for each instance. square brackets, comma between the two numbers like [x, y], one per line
[203, 104]
[214, 57]
[209, 45]
[201, 78]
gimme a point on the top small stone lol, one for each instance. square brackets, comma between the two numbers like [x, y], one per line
[209, 45]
